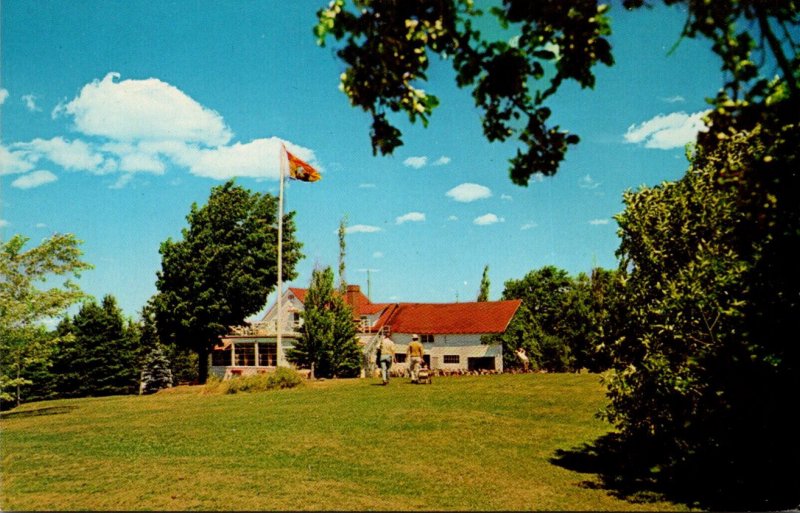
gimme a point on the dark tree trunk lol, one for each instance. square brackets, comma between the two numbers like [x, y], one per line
[202, 362]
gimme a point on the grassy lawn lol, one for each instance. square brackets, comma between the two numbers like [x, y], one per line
[480, 443]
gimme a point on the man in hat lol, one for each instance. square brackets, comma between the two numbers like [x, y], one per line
[386, 358]
[415, 353]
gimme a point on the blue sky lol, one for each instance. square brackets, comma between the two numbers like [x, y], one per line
[117, 115]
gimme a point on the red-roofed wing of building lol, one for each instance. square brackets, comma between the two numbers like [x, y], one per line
[453, 318]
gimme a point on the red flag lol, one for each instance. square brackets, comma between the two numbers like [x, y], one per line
[300, 170]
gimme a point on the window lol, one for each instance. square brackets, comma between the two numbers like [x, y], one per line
[221, 358]
[245, 355]
[296, 320]
[426, 339]
[267, 354]
[452, 358]
[400, 357]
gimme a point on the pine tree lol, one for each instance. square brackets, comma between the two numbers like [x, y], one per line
[156, 373]
[483, 293]
[344, 354]
[309, 350]
[328, 345]
[103, 359]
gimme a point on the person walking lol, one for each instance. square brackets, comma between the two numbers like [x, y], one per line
[524, 361]
[386, 358]
[415, 353]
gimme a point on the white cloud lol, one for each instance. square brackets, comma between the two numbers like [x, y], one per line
[256, 159]
[4, 223]
[362, 228]
[410, 217]
[416, 162]
[377, 254]
[148, 126]
[487, 219]
[587, 182]
[674, 99]
[441, 161]
[3, 95]
[599, 222]
[73, 155]
[133, 159]
[259, 158]
[467, 192]
[34, 179]
[506, 197]
[12, 163]
[528, 226]
[30, 102]
[122, 181]
[147, 109]
[452, 218]
[667, 131]
[41, 225]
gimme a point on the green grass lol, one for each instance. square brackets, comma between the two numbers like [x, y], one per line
[483, 442]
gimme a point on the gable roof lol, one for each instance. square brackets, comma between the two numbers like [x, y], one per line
[430, 318]
[453, 318]
[300, 294]
[356, 299]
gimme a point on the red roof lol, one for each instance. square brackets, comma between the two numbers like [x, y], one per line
[455, 318]
[360, 303]
[300, 294]
[431, 318]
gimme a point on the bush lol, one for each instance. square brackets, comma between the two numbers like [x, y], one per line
[282, 377]
[705, 377]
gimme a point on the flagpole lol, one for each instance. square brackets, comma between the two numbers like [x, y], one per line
[278, 347]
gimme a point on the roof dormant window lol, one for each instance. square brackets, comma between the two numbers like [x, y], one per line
[426, 339]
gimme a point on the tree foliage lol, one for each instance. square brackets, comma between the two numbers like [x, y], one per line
[562, 322]
[483, 291]
[705, 370]
[156, 373]
[223, 268]
[102, 356]
[387, 47]
[328, 344]
[342, 253]
[24, 341]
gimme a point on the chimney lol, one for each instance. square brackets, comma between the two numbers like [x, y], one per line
[353, 291]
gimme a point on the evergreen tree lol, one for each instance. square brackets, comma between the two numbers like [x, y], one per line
[103, 360]
[344, 354]
[483, 293]
[66, 374]
[328, 345]
[156, 373]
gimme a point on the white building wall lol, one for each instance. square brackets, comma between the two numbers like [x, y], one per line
[289, 306]
[464, 346]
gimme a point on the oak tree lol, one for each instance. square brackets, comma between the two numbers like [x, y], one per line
[222, 269]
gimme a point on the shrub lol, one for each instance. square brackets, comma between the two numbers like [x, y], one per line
[282, 377]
